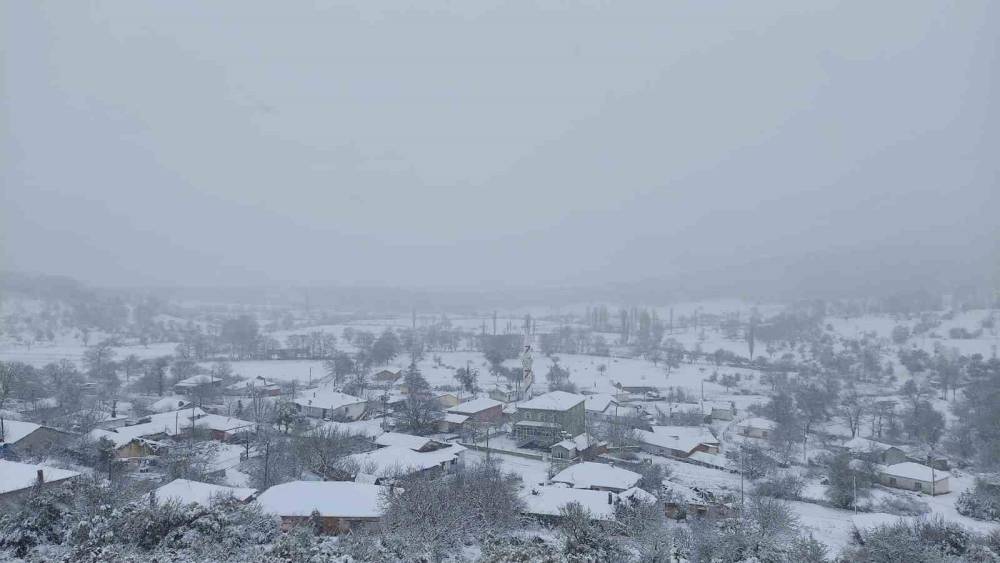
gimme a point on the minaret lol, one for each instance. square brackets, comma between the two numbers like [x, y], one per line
[527, 376]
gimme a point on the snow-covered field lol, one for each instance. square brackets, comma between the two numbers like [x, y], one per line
[40, 354]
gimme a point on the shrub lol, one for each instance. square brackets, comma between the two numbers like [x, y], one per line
[980, 502]
[786, 486]
[902, 506]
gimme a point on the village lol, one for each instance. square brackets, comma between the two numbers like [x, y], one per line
[695, 436]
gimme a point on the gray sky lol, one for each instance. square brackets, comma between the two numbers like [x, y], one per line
[476, 143]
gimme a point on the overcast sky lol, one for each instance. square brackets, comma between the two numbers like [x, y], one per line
[475, 143]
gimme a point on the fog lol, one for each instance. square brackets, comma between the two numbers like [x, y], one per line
[727, 145]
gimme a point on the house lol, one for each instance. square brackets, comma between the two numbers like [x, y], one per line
[550, 418]
[341, 505]
[915, 477]
[109, 421]
[678, 441]
[372, 428]
[18, 480]
[446, 400]
[185, 491]
[601, 406]
[756, 427]
[597, 476]
[452, 422]
[415, 443]
[685, 413]
[583, 445]
[683, 502]
[386, 377]
[334, 405]
[127, 446]
[546, 502]
[256, 386]
[505, 393]
[720, 410]
[479, 410]
[638, 389]
[222, 428]
[925, 455]
[392, 462]
[155, 426]
[28, 438]
[169, 403]
[193, 383]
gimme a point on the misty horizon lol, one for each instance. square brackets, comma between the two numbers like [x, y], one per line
[756, 148]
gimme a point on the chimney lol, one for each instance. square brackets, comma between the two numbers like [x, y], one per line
[41, 476]
[609, 498]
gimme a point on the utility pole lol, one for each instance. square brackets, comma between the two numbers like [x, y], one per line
[930, 462]
[854, 479]
[741, 476]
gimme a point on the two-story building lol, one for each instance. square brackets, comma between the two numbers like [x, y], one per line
[550, 418]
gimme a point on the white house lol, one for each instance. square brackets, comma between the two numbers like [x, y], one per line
[334, 405]
[915, 477]
[29, 438]
[392, 462]
[17, 480]
[185, 491]
[756, 427]
[341, 505]
[678, 441]
[597, 476]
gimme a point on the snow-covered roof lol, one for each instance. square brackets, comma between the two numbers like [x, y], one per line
[342, 499]
[329, 400]
[197, 380]
[474, 406]
[547, 501]
[453, 418]
[186, 492]
[599, 402]
[638, 494]
[115, 438]
[402, 440]
[392, 461]
[16, 430]
[680, 438]
[169, 403]
[916, 471]
[15, 476]
[709, 459]
[860, 445]
[255, 382]
[588, 475]
[758, 422]
[553, 401]
[169, 423]
[221, 423]
[578, 443]
[371, 428]
[721, 405]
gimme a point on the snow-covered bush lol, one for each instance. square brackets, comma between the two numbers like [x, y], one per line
[919, 541]
[902, 506]
[520, 549]
[981, 501]
[583, 538]
[766, 530]
[786, 486]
